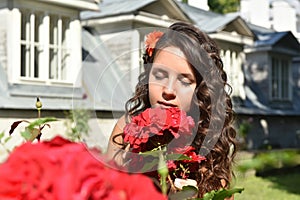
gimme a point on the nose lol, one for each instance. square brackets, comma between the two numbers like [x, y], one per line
[169, 91]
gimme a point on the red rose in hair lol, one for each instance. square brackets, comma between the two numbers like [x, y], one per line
[151, 40]
[62, 170]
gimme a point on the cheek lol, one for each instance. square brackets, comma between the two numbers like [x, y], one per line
[154, 91]
[186, 96]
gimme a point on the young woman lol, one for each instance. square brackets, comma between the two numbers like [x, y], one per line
[183, 69]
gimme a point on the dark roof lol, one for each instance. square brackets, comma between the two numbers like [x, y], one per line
[259, 29]
[269, 39]
[208, 21]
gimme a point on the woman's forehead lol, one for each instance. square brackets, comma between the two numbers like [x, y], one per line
[172, 51]
[173, 59]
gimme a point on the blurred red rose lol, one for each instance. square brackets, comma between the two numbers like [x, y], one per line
[63, 170]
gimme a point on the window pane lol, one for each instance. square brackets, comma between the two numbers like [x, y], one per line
[59, 52]
[53, 64]
[285, 79]
[53, 29]
[24, 25]
[23, 60]
[65, 28]
[280, 79]
[64, 47]
[36, 62]
[64, 64]
[37, 24]
[275, 78]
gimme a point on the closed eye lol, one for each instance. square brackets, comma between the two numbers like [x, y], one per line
[159, 74]
[185, 80]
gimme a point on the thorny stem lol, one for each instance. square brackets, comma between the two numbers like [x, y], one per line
[163, 171]
[173, 188]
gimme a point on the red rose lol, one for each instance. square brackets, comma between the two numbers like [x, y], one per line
[189, 151]
[157, 122]
[62, 170]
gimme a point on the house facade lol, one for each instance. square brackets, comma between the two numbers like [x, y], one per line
[40, 56]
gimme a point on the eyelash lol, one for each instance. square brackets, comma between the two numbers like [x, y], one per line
[184, 83]
[161, 76]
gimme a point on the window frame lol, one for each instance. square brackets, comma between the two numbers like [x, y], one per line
[13, 45]
[37, 53]
[280, 78]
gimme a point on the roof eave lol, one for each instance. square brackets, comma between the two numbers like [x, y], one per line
[78, 4]
[140, 17]
[231, 37]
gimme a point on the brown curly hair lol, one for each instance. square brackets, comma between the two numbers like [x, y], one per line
[211, 107]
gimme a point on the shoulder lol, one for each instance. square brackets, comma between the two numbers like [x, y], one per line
[118, 129]
[115, 142]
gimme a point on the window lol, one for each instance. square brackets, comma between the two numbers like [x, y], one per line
[59, 53]
[30, 45]
[45, 54]
[280, 77]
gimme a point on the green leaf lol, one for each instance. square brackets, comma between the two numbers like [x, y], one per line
[154, 153]
[41, 121]
[175, 156]
[187, 192]
[7, 139]
[1, 135]
[30, 134]
[26, 134]
[149, 165]
[221, 194]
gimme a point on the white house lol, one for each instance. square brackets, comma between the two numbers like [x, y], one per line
[40, 56]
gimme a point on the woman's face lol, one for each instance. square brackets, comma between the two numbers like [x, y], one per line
[171, 80]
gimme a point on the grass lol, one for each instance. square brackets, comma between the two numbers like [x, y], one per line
[276, 186]
[281, 187]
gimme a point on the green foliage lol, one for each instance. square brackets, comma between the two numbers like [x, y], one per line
[221, 194]
[188, 192]
[34, 129]
[224, 6]
[269, 160]
[244, 127]
[4, 140]
[77, 125]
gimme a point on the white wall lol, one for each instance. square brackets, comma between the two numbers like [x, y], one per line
[284, 16]
[281, 15]
[199, 4]
[255, 12]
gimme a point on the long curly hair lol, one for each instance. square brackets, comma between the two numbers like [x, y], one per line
[211, 105]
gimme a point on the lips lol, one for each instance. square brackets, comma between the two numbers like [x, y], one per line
[164, 104]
